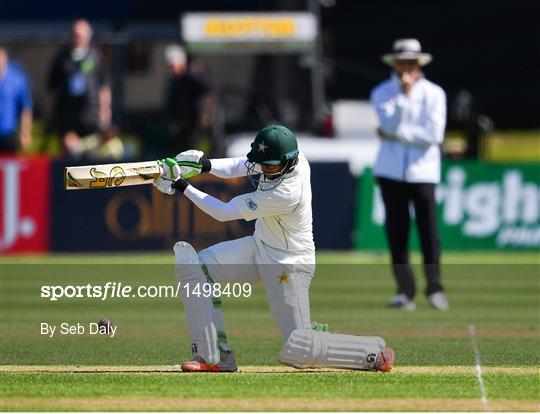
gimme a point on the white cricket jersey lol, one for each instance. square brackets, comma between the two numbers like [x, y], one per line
[284, 225]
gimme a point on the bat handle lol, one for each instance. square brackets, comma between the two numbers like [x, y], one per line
[161, 170]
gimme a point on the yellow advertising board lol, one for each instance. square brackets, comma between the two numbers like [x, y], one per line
[254, 31]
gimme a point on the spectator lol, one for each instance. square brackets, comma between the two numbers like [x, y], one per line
[412, 116]
[82, 95]
[189, 102]
[15, 106]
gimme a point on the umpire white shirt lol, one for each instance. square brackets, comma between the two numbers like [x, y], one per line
[417, 122]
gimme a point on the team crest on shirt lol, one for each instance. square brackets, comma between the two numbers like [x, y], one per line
[251, 204]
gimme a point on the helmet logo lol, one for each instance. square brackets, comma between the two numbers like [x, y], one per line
[262, 147]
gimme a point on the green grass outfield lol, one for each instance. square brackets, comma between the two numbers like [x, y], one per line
[498, 293]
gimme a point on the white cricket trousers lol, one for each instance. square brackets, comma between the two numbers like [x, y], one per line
[286, 285]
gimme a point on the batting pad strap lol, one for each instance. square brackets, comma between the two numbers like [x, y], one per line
[321, 327]
[222, 337]
[207, 273]
[306, 348]
[216, 302]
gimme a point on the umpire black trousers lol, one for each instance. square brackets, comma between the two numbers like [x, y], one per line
[398, 196]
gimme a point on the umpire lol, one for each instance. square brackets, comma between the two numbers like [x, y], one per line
[412, 115]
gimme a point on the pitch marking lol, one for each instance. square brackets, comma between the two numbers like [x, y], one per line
[478, 366]
[261, 369]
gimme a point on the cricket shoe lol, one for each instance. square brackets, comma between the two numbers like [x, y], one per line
[226, 363]
[439, 301]
[198, 364]
[385, 360]
[402, 301]
[226, 358]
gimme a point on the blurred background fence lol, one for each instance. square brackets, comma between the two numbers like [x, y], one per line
[309, 64]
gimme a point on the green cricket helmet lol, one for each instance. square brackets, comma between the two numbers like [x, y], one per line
[273, 145]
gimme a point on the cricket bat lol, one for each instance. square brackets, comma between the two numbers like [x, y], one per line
[89, 177]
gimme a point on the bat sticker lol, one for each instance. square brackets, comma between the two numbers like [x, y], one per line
[101, 180]
[146, 173]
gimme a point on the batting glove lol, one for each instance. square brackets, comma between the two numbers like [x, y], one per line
[171, 178]
[192, 163]
[164, 186]
[169, 187]
[170, 172]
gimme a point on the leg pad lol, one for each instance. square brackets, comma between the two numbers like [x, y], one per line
[306, 348]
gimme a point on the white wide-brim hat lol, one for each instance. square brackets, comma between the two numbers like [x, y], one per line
[407, 49]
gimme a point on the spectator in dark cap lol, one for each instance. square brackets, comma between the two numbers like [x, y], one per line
[15, 106]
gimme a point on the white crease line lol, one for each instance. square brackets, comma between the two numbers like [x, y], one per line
[483, 398]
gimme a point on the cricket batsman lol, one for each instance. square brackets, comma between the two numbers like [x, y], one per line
[281, 253]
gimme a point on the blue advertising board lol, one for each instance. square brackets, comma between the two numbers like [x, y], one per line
[141, 218]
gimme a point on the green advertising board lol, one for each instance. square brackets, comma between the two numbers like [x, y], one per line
[480, 206]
